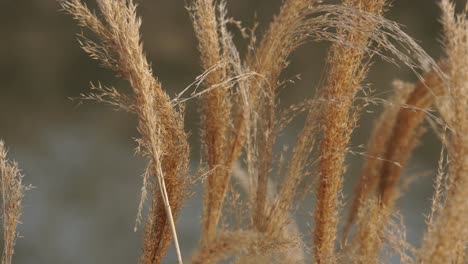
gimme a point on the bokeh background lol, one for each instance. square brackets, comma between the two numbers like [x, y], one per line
[80, 158]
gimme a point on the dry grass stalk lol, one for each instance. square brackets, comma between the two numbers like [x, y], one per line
[160, 125]
[377, 146]
[239, 112]
[269, 60]
[346, 72]
[393, 140]
[297, 21]
[440, 179]
[269, 64]
[281, 36]
[308, 23]
[405, 134]
[215, 110]
[448, 232]
[12, 190]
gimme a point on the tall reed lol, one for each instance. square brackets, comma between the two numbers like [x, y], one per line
[447, 235]
[241, 123]
[346, 72]
[12, 189]
[163, 139]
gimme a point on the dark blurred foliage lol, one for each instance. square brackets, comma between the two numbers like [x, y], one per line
[80, 157]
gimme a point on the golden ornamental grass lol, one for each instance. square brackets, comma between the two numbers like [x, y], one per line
[251, 190]
[12, 190]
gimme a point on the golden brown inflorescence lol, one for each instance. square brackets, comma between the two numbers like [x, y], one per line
[241, 122]
[163, 139]
[12, 190]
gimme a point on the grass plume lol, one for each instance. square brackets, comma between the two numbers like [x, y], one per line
[242, 121]
[448, 233]
[346, 72]
[12, 189]
[163, 139]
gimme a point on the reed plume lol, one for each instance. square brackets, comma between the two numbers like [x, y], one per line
[405, 134]
[377, 145]
[393, 140]
[446, 237]
[382, 175]
[241, 122]
[345, 74]
[12, 190]
[160, 124]
[215, 112]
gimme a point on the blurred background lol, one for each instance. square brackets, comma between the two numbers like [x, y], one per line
[80, 158]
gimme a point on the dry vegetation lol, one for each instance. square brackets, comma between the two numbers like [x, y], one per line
[241, 122]
[12, 191]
